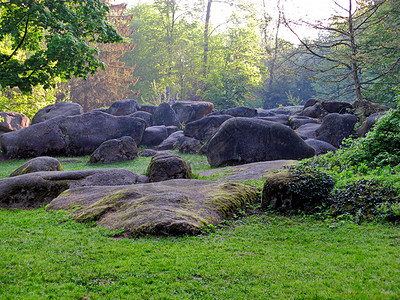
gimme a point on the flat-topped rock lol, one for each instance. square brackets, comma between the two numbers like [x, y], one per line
[173, 207]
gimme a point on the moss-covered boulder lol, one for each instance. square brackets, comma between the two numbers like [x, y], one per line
[165, 166]
[172, 207]
[296, 189]
[38, 164]
[36, 189]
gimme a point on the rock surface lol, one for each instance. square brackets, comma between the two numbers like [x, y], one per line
[165, 166]
[124, 107]
[247, 140]
[38, 164]
[115, 150]
[335, 128]
[11, 121]
[172, 207]
[165, 115]
[36, 189]
[154, 136]
[320, 147]
[59, 109]
[206, 127]
[169, 142]
[70, 136]
[147, 117]
[189, 111]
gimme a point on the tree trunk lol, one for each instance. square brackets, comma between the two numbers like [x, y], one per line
[206, 38]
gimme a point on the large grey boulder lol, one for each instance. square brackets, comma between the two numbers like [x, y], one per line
[335, 128]
[59, 109]
[174, 207]
[165, 115]
[169, 142]
[369, 123]
[147, 117]
[206, 127]
[246, 140]
[166, 166]
[124, 107]
[154, 136]
[188, 145]
[148, 108]
[36, 189]
[241, 111]
[320, 147]
[296, 121]
[308, 131]
[11, 121]
[189, 111]
[319, 108]
[282, 119]
[70, 136]
[115, 150]
[38, 164]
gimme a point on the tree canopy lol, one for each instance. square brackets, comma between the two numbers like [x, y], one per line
[45, 39]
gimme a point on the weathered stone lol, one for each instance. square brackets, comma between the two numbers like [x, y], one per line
[320, 147]
[173, 207]
[165, 115]
[148, 152]
[246, 140]
[320, 108]
[369, 123]
[64, 109]
[241, 111]
[115, 150]
[11, 121]
[264, 113]
[38, 164]
[154, 136]
[335, 128]
[124, 107]
[363, 109]
[308, 131]
[166, 166]
[36, 189]
[296, 121]
[147, 117]
[148, 108]
[282, 119]
[168, 143]
[172, 129]
[187, 145]
[189, 111]
[70, 136]
[206, 127]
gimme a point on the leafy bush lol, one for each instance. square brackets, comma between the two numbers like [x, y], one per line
[366, 200]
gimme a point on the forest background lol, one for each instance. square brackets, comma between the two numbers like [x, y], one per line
[172, 50]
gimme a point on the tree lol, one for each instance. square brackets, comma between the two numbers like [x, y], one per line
[116, 81]
[345, 54]
[56, 37]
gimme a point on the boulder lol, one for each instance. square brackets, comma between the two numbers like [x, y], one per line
[296, 121]
[172, 129]
[282, 119]
[64, 109]
[168, 143]
[11, 121]
[174, 207]
[154, 136]
[124, 107]
[247, 140]
[166, 166]
[148, 108]
[264, 113]
[148, 152]
[36, 189]
[206, 127]
[187, 145]
[320, 108]
[364, 109]
[147, 117]
[241, 111]
[70, 136]
[289, 192]
[165, 115]
[38, 164]
[369, 123]
[115, 150]
[189, 111]
[308, 131]
[335, 128]
[320, 147]
[285, 110]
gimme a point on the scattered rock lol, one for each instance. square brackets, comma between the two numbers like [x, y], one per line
[296, 121]
[115, 150]
[11, 121]
[64, 109]
[308, 131]
[246, 140]
[189, 111]
[70, 136]
[206, 127]
[154, 136]
[36, 189]
[369, 123]
[124, 107]
[165, 115]
[241, 111]
[147, 117]
[38, 164]
[320, 108]
[320, 147]
[282, 119]
[168, 143]
[148, 152]
[174, 207]
[148, 108]
[335, 128]
[166, 166]
[187, 145]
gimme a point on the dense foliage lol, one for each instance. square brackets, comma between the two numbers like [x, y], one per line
[43, 40]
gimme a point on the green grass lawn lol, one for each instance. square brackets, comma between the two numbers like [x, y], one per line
[263, 256]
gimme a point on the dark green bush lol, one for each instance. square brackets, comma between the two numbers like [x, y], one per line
[366, 200]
